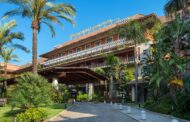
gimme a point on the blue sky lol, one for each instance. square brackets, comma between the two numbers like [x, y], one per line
[89, 13]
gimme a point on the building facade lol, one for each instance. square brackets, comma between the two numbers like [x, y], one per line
[89, 47]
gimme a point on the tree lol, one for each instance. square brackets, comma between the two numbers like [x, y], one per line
[32, 90]
[7, 56]
[112, 72]
[173, 6]
[138, 32]
[7, 36]
[41, 12]
[134, 31]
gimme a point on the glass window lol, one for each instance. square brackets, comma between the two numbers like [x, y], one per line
[121, 36]
[109, 39]
[97, 43]
[70, 52]
[78, 49]
[87, 46]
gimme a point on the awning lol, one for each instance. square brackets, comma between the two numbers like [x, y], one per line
[72, 75]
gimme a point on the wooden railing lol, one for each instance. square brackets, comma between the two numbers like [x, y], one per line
[87, 52]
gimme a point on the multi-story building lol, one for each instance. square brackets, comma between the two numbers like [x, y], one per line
[88, 48]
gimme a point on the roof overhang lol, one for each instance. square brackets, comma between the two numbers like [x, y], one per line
[72, 75]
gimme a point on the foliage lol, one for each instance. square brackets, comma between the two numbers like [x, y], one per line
[41, 12]
[32, 114]
[99, 71]
[7, 55]
[183, 97]
[174, 6]
[165, 68]
[164, 105]
[7, 35]
[97, 98]
[128, 74]
[7, 114]
[82, 97]
[31, 91]
[61, 95]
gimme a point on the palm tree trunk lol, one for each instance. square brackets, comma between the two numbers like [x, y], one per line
[34, 46]
[136, 72]
[111, 88]
[5, 82]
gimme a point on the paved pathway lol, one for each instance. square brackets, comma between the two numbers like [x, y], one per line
[150, 116]
[90, 112]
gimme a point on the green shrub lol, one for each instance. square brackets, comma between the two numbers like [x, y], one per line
[32, 115]
[97, 98]
[61, 95]
[82, 97]
[31, 91]
[163, 105]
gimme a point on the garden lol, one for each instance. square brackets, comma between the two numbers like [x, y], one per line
[33, 99]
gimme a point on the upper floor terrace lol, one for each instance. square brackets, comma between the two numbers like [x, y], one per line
[103, 48]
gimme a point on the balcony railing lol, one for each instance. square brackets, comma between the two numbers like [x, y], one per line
[129, 60]
[87, 52]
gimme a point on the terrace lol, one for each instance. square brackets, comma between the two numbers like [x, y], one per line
[101, 48]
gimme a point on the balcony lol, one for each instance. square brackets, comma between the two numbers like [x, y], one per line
[129, 60]
[93, 50]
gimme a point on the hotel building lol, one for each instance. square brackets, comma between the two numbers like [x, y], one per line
[87, 49]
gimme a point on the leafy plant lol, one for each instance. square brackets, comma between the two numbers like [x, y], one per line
[61, 95]
[32, 115]
[41, 12]
[31, 91]
[82, 97]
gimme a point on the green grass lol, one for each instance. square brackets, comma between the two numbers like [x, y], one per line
[7, 115]
[55, 109]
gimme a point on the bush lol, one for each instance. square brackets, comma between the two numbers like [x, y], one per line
[97, 98]
[31, 91]
[61, 95]
[32, 115]
[82, 97]
[163, 105]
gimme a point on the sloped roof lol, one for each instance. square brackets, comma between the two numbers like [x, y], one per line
[102, 30]
[10, 67]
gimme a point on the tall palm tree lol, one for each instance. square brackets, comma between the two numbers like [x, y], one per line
[7, 36]
[7, 56]
[134, 31]
[112, 71]
[139, 32]
[174, 6]
[41, 12]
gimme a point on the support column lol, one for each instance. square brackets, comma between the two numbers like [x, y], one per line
[55, 83]
[91, 90]
[86, 88]
[133, 93]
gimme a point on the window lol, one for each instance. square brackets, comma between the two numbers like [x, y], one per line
[88, 46]
[121, 36]
[78, 49]
[97, 43]
[70, 52]
[109, 39]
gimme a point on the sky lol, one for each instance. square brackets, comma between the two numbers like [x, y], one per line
[89, 13]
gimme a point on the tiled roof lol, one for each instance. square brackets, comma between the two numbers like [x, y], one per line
[105, 29]
[10, 67]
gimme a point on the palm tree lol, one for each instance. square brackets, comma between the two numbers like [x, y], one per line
[134, 31]
[7, 56]
[7, 36]
[139, 32]
[112, 71]
[41, 12]
[174, 6]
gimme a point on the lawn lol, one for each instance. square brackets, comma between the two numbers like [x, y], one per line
[7, 115]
